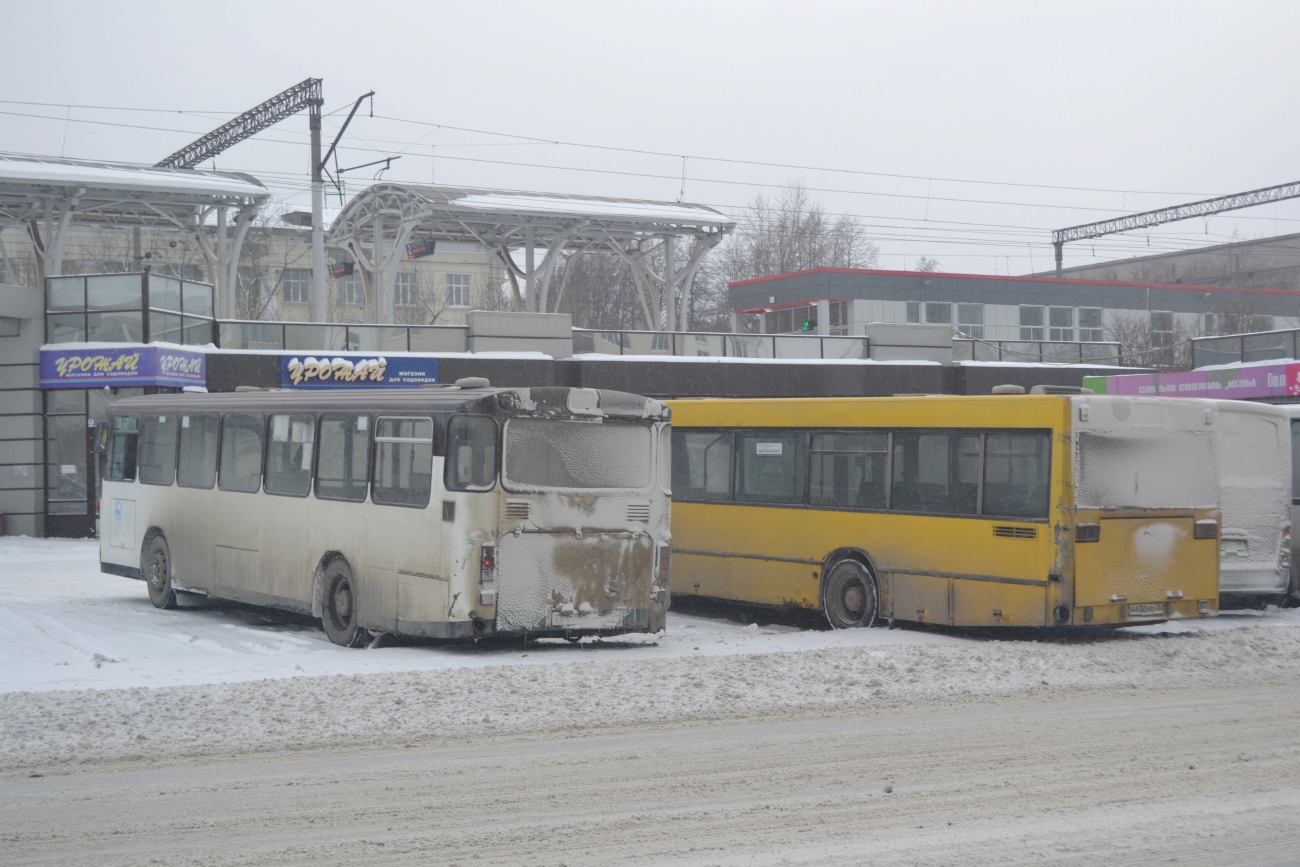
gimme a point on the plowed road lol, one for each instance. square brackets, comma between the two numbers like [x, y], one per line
[1194, 775]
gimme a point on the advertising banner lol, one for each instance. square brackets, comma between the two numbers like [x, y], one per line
[129, 366]
[352, 370]
[1229, 383]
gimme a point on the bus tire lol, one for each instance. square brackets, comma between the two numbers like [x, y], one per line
[339, 606]
[156, 568]
[849, 595]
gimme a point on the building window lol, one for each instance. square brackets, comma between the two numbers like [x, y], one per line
[1060, 322]
[1090, 329]
[296, 283]
[938, 312]
[1031, 323]
[352, 290]
[913, 311]
[457, 290]
[839, 317]
[406, 289]
[970, 320]
[792, 320]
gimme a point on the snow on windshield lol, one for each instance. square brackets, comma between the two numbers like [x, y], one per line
[557, 454]
[1145, 471]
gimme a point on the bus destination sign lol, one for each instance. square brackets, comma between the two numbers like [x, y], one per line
[357, 371]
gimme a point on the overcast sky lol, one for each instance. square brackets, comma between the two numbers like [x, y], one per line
[961, 131]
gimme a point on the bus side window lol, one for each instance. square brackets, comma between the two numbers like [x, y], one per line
[289, 454]
[1017, 474]
[241, 453]
[936, 472]
[701, 465]
[770, 467]
[848, 470]
[471, 463]
[122, 445]
[403, 473]
[343, 468]
[198, 463]
[158, 449]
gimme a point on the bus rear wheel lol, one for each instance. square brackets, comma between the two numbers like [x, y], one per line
[849, 596]
[156, 567]
[339, 608]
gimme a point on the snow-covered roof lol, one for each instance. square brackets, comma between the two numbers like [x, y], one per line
[503, 202]
[506, 217]
[49, 172]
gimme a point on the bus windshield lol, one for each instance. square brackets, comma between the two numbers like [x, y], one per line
[1145, 471]
[544, 454]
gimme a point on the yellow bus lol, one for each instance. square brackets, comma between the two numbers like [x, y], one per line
[1012, 510]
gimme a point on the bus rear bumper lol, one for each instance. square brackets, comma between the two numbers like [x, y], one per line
[1145, 612]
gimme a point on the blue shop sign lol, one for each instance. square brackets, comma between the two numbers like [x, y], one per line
[130, 366]
[357, 371]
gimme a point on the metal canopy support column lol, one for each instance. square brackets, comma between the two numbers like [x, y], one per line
[317, 217]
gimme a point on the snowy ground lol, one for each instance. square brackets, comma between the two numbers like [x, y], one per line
[717, 743]
[64, 625]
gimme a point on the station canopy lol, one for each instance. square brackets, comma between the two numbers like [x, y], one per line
[378, 223]
[46, 196]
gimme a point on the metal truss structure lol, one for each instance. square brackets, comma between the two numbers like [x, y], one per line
[1147, 219]
[45, 196]
[375, 226]
[305, 94]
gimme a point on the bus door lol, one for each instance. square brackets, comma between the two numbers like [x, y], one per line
[236, 516]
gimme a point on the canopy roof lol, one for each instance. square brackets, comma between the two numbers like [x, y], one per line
[497, 217]
[118, 193]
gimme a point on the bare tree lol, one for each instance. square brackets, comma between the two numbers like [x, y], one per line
[927, 265]
[599, 292]
[788, 232]
[1145, 343]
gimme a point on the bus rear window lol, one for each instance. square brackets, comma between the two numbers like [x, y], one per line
[1145, 471]
[576, 455]
[471, 453]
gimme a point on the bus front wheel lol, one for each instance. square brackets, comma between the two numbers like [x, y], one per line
[339, 614]
[849, 596]
[156, 567]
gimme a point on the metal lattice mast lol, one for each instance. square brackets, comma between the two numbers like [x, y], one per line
[1146, 219]
[306, 94]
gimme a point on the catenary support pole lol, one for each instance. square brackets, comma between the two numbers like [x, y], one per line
[317, 220]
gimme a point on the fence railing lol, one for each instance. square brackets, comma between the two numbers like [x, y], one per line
[340, 337]
[1043, 351]
[694, 344]
[1242, 348]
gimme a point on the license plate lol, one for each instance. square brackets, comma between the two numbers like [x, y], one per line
[1146, 609]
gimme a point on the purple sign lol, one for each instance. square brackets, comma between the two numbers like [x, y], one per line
[131, 366]
[1229, 383]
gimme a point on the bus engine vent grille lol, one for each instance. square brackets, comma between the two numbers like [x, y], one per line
[1015, 532]
[638, 511]
[518, 510]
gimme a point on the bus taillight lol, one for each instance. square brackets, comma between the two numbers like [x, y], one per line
[665, 559]
[1087, 533]
[487, 564]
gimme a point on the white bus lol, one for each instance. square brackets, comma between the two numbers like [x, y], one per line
[1255, 497]
[446, 512]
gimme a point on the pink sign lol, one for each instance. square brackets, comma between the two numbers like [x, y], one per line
[1232, 383]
